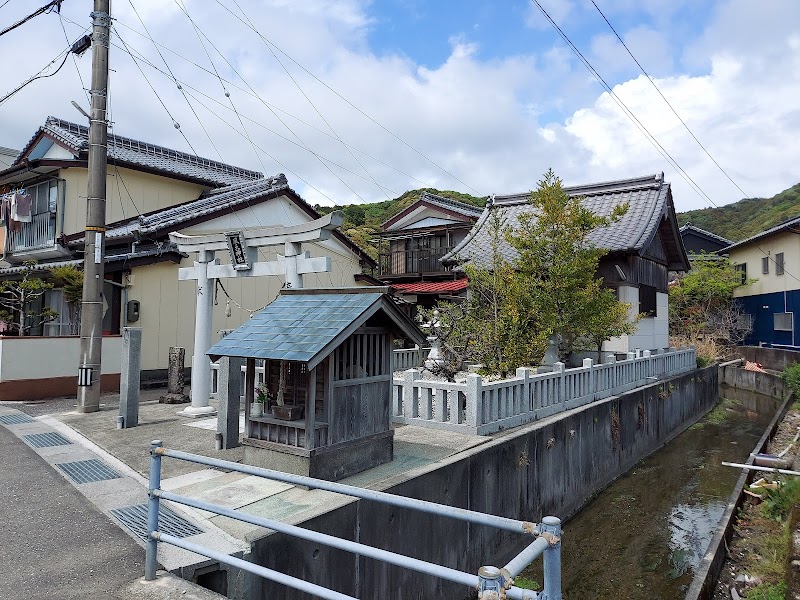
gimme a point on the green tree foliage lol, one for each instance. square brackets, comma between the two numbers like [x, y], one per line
[559, 266]
[512, 309]
[702, 310]
[17, 298]
[747, 217]
[70, 280]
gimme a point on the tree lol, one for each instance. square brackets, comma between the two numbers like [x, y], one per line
[512, 309]
[17, 298]
[702, 308]
[70, 280]
[559, 265]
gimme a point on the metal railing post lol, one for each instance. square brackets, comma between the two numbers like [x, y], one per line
[152, 511]
[551, 527]
[491, 583]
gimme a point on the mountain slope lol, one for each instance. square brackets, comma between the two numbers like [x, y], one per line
[746, 217]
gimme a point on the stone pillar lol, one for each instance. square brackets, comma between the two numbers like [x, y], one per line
[473, 416]
[229, 389]
[201, 365]
[588, 363]
[130, 376]
[175, 377]
[294, 280]
[410, 408]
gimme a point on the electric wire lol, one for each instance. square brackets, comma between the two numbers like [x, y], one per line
[44, 9]
[74, 58]
[4, 3]
[282, 122]
[39, 74]
[641, 126]
[169, 114]
[351, 104]
[232, 84]
[172, 75]
[314, 106]
[672, 108]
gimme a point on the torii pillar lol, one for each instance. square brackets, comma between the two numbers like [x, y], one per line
[243, 248]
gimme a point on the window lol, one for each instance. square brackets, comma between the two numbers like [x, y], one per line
[779, 263]
[742, 269]
[783, 321]
[765, 265]
[647, 300]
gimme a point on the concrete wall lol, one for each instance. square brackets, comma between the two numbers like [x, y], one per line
[733, 375]
[773, 359]
[516, 475]
[652, 333]
[32, 368]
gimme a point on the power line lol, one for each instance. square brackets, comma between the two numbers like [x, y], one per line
[300, 89]
[74, 59]
[641, 126]
[282, 122]
[653, 83]
[174, 122]
[394, 135]
[164, 60]
[227, 82]
[39, 74]
[46, 8]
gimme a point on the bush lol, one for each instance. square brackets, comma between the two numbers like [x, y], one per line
[791, 376]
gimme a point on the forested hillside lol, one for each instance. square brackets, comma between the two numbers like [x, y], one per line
[746, 217]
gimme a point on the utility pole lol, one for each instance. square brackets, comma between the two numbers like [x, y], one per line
[89, 372]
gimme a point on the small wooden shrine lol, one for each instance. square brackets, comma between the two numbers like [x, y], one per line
[327, 355]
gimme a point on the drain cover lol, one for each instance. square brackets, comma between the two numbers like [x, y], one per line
[15, 419]
[135, 519]
[46, 440]
[87, 471]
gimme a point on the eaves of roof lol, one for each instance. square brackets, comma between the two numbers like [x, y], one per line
[451, 207]
[788, 225]
[703, 232]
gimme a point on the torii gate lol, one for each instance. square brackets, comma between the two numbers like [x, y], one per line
[243, 248]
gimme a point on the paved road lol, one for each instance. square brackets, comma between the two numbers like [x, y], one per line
[54, 544]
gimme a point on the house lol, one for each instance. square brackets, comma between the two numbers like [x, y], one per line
[412, 242]
[771, 259]
[327, 353]
[643, 246]
[152, 191]
[701, 242]
[7, 156]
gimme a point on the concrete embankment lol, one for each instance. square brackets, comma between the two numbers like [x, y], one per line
[733, 376]
[550, 467]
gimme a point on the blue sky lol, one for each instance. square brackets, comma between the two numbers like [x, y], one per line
[484, 95]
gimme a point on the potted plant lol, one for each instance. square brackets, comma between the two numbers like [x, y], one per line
[257, 409]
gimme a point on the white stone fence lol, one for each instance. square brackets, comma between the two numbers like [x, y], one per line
[478, 407]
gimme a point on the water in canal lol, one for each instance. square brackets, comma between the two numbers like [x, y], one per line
[643, 536]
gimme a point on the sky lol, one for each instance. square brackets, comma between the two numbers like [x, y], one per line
[359, 101]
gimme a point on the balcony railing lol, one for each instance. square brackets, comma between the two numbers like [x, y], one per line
[423, 260]
[39, 233]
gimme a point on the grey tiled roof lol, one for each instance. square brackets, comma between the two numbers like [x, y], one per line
[690, 227]
[789, 224]
[150, 156]
[210, 202]
[462, 207]
[647, 198]
[303, 326]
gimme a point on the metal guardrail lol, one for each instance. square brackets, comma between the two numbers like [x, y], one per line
[490, 583]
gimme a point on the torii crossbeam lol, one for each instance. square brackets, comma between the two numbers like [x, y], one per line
[243, 249]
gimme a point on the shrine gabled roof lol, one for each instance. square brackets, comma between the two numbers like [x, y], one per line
[307, 325]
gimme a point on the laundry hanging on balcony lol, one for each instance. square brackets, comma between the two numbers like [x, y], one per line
[21, 207]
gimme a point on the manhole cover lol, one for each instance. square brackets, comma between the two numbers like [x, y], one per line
[135, 519]
[87, 471]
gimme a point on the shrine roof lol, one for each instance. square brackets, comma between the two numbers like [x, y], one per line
[307, 325]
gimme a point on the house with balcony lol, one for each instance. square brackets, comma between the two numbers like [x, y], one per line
[642, 248]
[412, 243]
[152, 191]
[771, 261]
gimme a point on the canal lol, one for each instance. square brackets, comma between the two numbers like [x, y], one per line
[643, 536]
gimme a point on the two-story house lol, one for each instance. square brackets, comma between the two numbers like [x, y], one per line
[771, 259]
[412, 243]
[700, 242]
[151, 191]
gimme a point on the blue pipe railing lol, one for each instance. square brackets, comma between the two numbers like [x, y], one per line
[491, 583]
